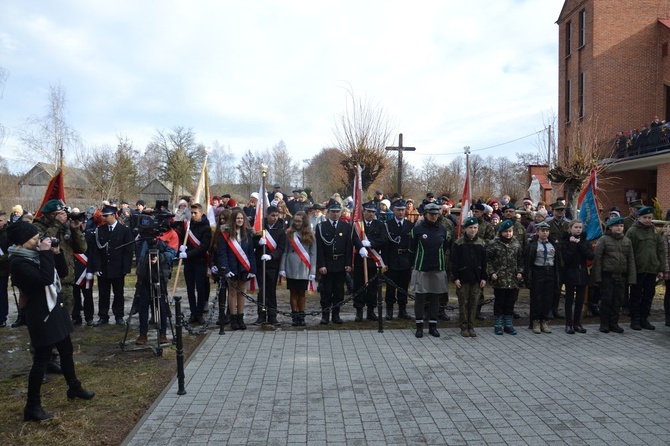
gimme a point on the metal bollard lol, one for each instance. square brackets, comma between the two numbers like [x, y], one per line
[380, 318]
[180, 346]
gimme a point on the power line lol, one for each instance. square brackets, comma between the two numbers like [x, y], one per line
[460, 152]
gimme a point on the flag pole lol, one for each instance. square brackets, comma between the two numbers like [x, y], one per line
[261, 203]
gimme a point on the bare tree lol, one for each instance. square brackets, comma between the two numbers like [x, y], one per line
[149, 164]
[220, 165]
[49, 136]
[324, 174]
[285, 171]
[362, 133]
[249, 170]
[113, 171]
[181, 158]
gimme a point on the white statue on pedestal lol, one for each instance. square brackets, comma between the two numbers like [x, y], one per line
[535, 190]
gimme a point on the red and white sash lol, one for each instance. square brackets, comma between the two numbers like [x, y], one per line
[374, 255]
[81, 281]
[235, 246]
[271, 243]
[304, 257]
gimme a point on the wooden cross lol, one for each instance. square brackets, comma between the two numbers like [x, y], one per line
[400, 149]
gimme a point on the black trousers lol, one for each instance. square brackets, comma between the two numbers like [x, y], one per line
[145, 302]
[503, 305]
[105, 286]
[369, 297]
[332, 289]
[542, 292]
[401, 279]
[641, 296]
[195, 276]
[574, 293]
[41, 359]
[612, 291]
[433, 301]
[87, 294]
[271, 278]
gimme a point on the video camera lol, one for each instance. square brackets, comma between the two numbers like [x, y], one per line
[152, 223]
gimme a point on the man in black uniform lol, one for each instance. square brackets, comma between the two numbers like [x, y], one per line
[398, 259]
[274, 241]
[111, 264]
[368, 245]
[194, 254]
[333, 259]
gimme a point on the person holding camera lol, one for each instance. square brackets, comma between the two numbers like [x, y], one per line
[237, 263]
[111, 260]
[68, 230]
[36, 267]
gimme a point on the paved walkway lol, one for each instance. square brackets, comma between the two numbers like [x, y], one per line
[365, 388]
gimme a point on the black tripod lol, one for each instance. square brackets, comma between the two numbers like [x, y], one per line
[156, 282]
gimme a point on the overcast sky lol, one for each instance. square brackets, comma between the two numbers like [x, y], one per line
[250, 73]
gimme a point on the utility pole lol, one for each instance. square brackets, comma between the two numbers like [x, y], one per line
[400, 149]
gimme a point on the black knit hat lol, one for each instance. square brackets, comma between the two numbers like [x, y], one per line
[20, 232]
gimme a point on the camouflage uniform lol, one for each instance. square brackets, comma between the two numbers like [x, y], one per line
[71, 241]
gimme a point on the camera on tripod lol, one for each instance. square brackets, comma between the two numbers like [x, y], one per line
[152, 223]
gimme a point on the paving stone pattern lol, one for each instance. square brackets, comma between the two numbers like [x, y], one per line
[357, 387]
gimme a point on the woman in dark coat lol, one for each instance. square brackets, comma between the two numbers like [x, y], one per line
[36, 269]
[576, 251]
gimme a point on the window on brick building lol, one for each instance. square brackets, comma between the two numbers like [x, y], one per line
[582, 28]
[664, 49]
[582, 82]
[568, 39]
[568, 94]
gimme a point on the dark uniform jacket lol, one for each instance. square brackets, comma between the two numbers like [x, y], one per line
[4, 257]
[279, 235]
[429, 243]
[531, 253]
[648, 249]
[396, 253]
[375, 233]
[203, 232]
[333, 246]
[575, 255]
[31, 279]
[468, 259]
[614, 255]
[106, 257]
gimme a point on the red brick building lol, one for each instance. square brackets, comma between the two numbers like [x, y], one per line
[614, 75]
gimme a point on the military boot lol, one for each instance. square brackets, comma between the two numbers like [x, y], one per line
[20, 319]
[419, 329]
[240, 321]
[432, 329]
[442, 314]
[402, 312]
[635, 324]
[389, 312]
[359, 315]
[336, 316]
[301, 318]
[325, 318]
[294, 319]
[509, 325]
[261, 317]
[498, 325]
[371, 316]
[644, 323]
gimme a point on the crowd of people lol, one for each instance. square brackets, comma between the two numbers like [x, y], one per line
[648, 138]
[55, 259]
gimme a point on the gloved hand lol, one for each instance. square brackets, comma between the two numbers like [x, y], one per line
[214, 270]
[182, 248]
[366, 243]
[282, 273]
[266, 257]
[363, 252]
[183, 255]
[251, 275]
[89, 276]
[230, 274]
[312, 277]
[262, 241]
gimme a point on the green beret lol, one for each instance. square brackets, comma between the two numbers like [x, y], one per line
[470, 221]
[614, 221]
[645, 210]
[505, 225]
[52, 206]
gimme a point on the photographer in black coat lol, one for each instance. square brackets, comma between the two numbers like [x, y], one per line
[36, 270]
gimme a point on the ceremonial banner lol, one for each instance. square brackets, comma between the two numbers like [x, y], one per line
[588, 208]
[55, 191]
[465, 198]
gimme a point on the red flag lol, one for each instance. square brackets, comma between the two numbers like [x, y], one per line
[358, 195]
[261, 205]
[55, 191]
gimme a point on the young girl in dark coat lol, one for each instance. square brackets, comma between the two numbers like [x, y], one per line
[36, 269]
[576, 251]
[238, 243]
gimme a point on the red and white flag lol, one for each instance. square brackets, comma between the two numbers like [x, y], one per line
[465, 198]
